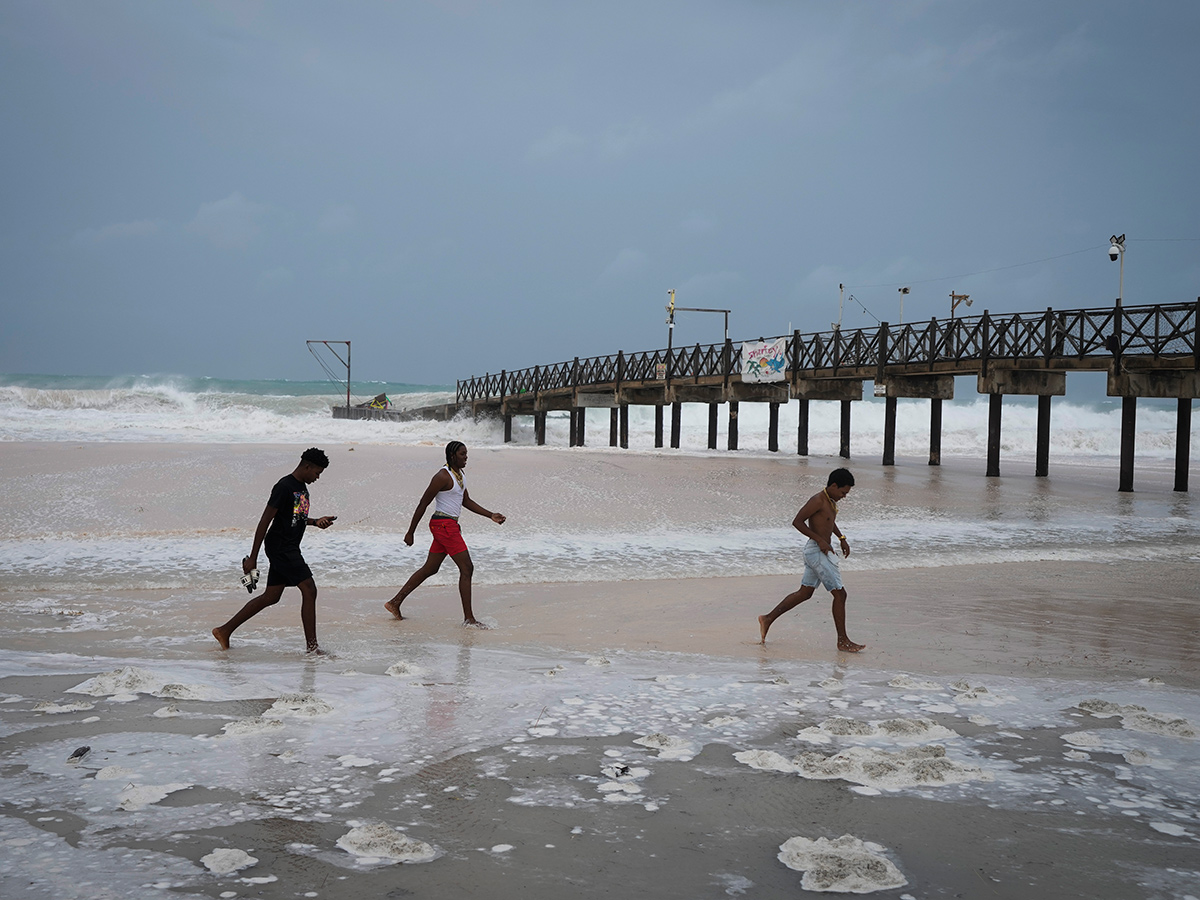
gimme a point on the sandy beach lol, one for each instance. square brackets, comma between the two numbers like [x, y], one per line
[1023, 722]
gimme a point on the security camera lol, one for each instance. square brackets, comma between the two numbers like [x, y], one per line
[1114, 252]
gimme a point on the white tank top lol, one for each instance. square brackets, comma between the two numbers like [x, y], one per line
[449, 503]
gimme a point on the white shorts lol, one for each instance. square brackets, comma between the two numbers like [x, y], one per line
[821, 568]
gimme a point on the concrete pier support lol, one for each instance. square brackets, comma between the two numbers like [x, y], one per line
[712, 425]
[733, 425]
[1041, 383]
[676, 423]
[1129, 383]
[935, 388]
[773, 429]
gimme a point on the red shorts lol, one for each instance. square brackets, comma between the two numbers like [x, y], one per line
[447, 538]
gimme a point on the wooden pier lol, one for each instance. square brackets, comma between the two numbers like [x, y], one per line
[1147, 351]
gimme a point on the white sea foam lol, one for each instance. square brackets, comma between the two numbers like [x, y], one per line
[46, 706]
[1138, 718]
[846, 864]
[378, 841]
[899, 729]
[122, 681]
[139, 796]
[251, 727]
[927, 765]
[226, 861]
[669, 747]
[301, 705]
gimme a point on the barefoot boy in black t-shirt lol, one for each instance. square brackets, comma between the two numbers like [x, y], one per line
[286, 517]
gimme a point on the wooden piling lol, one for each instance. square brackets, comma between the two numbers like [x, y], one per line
[773, 429]
[844, 450]
[712, 426]
[658, 425]
[889, 431]
[676, 416]
[508, 428]
[733, 425]
[581, 427]
[1128, 440]
[1183, 440]
[802, 429]
[1041, 466]
[613, 417]
[624, 426]
[539, 428]
[995, 411]
[935, 431]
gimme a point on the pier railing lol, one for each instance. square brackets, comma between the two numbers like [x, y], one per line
[1053, 337]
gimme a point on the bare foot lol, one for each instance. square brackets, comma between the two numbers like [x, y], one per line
[475, 623]
[762, 629]
[394, 608]
[222, 637]
[849, 646]
[314, 650]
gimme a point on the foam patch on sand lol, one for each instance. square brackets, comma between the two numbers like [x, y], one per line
[912, 767]
[403, 669]
[846, 865]
[913, 684]
[126, 680]
[301, 705]
[381, 842]
[47, 706]
[188, 692]
[1138, 718]
[224, 861]
[899, 729]
[139, 796]
[111, 773]
[250, 727]
[669, 747]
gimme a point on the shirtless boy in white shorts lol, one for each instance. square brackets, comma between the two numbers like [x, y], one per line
[817, 521]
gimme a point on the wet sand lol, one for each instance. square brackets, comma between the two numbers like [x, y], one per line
[491, 746]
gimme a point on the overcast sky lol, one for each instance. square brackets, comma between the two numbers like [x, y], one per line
[459, 187]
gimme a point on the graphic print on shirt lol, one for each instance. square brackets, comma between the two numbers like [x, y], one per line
[299, 508]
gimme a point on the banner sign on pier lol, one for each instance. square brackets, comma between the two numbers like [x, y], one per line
[764, 360]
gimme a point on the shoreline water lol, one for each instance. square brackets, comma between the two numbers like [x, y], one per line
[621, 710]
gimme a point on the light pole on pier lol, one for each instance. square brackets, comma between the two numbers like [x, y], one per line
[1116, 252]
[903, 291]
[956, 299]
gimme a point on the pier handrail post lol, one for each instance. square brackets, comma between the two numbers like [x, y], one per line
[503, 385]
[458, 392]
[728, 362]
[620, 368]
[795, 355]
[932, 341]
[1048, 339]
[986, 348]
[883, 351]
[1196, 336]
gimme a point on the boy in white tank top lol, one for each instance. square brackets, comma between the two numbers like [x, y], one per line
[448, 491]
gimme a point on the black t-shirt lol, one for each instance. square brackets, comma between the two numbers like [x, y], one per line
[289, 497]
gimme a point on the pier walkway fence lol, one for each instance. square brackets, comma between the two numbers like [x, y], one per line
[1146, 351]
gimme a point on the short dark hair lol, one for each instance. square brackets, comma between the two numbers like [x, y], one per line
[840, 477]
[316, 457]
[452, 449]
